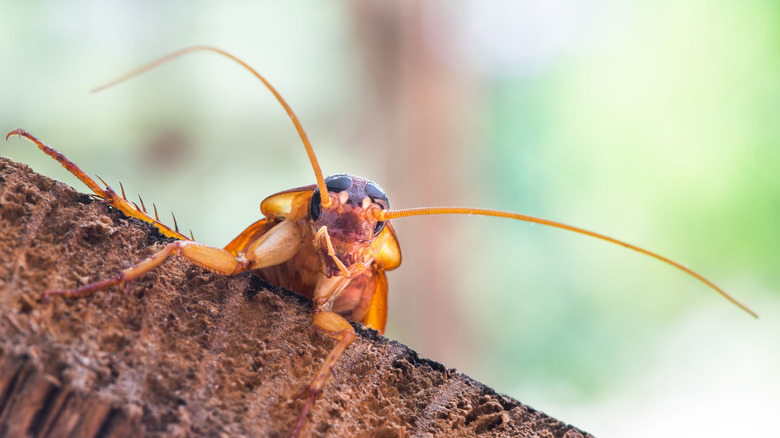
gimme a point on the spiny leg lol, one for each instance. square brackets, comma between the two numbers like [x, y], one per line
[108, 194]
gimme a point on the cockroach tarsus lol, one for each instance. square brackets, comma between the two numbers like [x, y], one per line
[331, 242]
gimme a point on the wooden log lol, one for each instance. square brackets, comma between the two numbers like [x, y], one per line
[184, 352]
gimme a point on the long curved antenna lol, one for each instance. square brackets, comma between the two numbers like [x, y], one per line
[393, 214]
[171, 56]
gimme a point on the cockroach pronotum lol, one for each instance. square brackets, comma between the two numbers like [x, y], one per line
[331, 242]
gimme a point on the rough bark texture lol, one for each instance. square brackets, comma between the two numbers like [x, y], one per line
[184, 352]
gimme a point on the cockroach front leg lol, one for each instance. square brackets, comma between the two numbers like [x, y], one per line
[279, 244]
[336, 327]
[333, 326]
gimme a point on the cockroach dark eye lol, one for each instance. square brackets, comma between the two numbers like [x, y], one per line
[314, 205]
[335, 183]
[338, 183]
[377, 195]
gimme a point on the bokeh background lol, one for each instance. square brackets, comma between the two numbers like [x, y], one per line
[652, 121]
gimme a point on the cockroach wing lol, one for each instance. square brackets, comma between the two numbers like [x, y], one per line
[390, 254]
[290, 204]
[252, 233]
[389, 258]
[376, 316]
[293, 204]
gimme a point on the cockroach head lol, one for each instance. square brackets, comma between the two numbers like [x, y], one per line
[351, 218]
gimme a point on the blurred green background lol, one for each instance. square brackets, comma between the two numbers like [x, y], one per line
[654, 122]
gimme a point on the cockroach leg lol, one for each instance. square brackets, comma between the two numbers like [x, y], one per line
[323, 233]
[214, 259]
[336, 327]
[276, 246]
[108, 194]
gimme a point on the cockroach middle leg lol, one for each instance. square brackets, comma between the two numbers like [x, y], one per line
[213, 259]
[279, 244]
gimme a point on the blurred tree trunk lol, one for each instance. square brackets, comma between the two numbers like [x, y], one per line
[414, 120]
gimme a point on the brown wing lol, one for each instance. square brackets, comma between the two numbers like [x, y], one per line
[252, 233]
[376, 316]
[389, 258]
[293, 202]
[390, 254]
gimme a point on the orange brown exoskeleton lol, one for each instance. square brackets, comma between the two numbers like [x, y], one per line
[331, 242]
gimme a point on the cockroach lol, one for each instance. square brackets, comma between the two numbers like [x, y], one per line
[331, 242]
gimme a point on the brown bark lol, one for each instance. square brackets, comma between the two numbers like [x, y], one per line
[184, 352]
